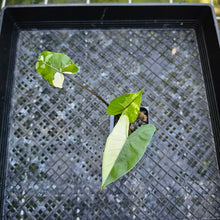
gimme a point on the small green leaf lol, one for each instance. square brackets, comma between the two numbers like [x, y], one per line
[51, 66]
[128, 104]
[120, 158]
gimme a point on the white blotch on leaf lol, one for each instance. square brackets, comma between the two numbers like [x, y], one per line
[58, 80]
[47, 58]
[67, 73]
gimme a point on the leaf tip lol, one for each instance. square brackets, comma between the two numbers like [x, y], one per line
[102, 187]
[153, 127]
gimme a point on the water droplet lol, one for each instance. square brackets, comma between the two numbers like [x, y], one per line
[103, 74]
[174, 50]
[36, 187]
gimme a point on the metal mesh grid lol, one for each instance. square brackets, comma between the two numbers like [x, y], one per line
[57, 136]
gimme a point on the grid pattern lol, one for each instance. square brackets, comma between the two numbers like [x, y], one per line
[57, 136]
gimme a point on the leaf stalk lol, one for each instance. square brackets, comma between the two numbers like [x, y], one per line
[89, 90]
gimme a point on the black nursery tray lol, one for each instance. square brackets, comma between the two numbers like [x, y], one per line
[52, 140]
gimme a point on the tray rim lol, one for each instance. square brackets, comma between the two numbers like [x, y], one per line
[133, 5]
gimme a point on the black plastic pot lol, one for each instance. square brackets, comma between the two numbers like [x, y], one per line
[114, 118]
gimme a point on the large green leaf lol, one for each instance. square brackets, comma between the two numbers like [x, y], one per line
[51, 66]
[114, 144]
[121, 157]
[128, 104]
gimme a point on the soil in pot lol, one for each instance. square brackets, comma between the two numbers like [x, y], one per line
[140, 121]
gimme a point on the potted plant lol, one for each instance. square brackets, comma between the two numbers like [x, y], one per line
[128, 140]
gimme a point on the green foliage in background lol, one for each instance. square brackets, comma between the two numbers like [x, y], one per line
[109, 1]
[23, 2]
[65, 1]
[150, 1]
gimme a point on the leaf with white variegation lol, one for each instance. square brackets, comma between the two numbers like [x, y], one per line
[121, 153]
[52, 67]
[114, 144]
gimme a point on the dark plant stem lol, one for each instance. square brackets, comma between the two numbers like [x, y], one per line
[84, 87]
